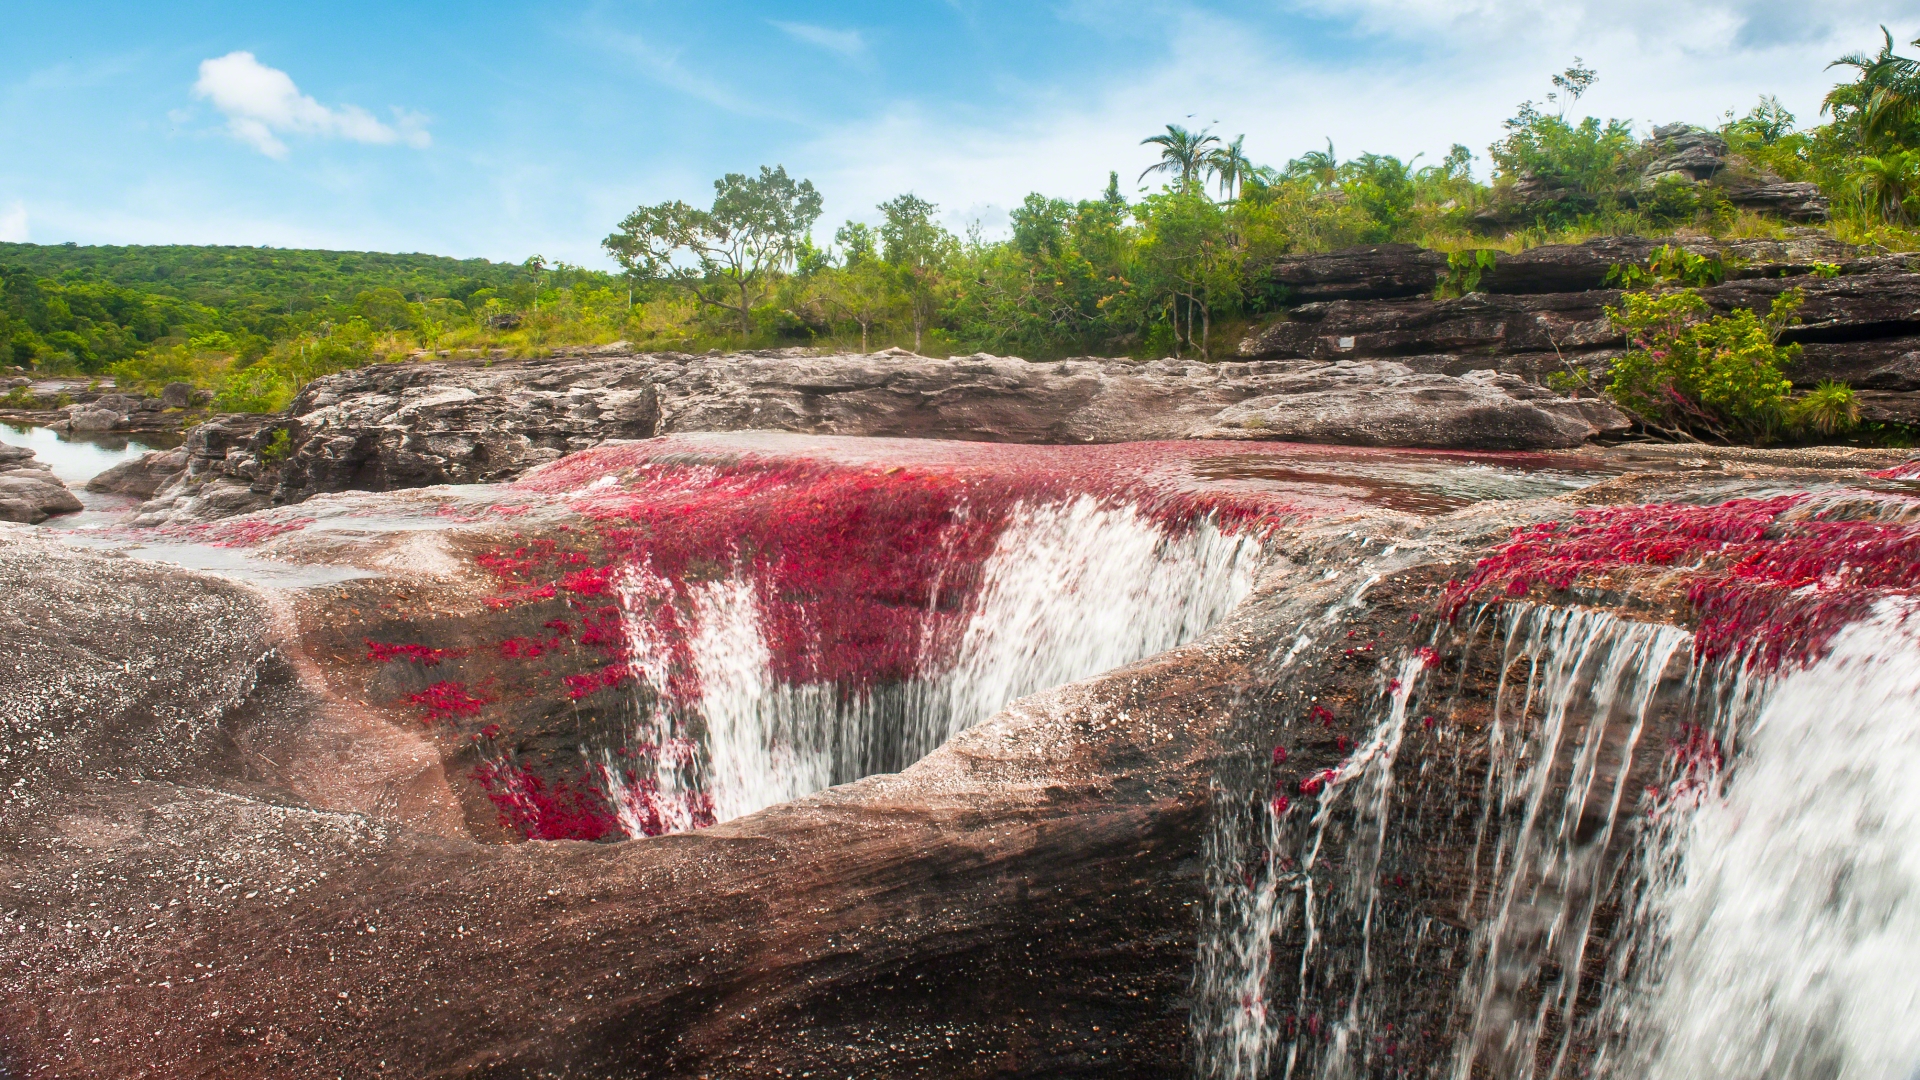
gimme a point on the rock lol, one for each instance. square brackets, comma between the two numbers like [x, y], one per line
[1793, 201]
[143, 476]
[505, 320]
[411, 425]
[1477, 323]
[88, 418]
[177, 395]
[1377, 403]
[1366, 273]
[1881, 407]
[29, 492]
[1685, 152]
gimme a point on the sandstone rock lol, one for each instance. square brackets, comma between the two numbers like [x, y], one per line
[29, 492]
[177, 395]
[88, 418]
[1477, 323]
[1365, 273]
[1377, 403]
[143, 476]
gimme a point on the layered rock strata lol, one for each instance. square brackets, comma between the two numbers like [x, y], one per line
[396, 426]
[29, 492]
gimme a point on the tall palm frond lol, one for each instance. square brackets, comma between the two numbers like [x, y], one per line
[1230, 166]
[1886, 96]
[1182, 152]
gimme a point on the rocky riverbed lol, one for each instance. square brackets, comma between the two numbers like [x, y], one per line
[299, 829]
[616, 714]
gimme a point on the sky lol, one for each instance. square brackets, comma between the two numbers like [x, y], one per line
[504, 130]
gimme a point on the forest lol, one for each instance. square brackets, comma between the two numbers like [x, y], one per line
[1174, 261]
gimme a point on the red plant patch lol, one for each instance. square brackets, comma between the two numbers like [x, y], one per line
[444, 700]
[385, 653]
[1766, 586]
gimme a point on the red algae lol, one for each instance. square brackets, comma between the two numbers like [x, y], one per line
[445, 700]
[1766, 586]
[385, 653]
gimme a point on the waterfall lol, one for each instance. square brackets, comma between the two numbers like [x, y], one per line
[1069, 590]
[1328, 960]
[1781, 924]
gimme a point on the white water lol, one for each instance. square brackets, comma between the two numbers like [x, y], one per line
[1069, 591]
[1787, 932]
[1561, 749]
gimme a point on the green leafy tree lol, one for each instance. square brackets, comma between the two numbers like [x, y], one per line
[1230, 167]
[753, 231]
[1187, 267]
[1688, 372]
[920, 252]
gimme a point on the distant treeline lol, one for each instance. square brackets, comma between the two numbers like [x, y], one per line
[1180, 269]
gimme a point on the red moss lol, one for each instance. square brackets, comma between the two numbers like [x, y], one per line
[564, 810]
[1764, 585]
[444, 700]
[384, 653]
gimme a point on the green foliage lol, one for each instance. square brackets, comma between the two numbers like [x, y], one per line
[1687, 372]
[1827, 410]
[277, 448]
[1464, 270]
[753, 231]
[1669, 265]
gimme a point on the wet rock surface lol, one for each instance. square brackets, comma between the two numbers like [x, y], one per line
[29, 492]
[229, 845]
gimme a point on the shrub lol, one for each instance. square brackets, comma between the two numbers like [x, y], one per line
[1688, 374]
[258, 389]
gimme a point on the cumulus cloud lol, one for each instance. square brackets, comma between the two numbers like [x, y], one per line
[1409, 76]
[848, 43]
[262, 103]
[13, 224]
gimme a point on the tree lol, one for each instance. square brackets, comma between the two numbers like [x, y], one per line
[1323, 168]
[1230, 166]
[919, 250]
[1182, 152]
[753, 231]
[1883, 104]
[862, 288]
[1187, 264]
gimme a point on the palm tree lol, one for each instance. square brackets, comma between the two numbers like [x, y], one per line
[1886, 96]
[1230, 165]
[1323, 168]
[1181, 151]
[1886, 184]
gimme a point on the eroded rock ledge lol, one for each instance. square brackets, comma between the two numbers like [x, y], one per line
[410, 425]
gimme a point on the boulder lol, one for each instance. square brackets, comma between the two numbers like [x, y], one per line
[29, 492]
[177, 395]
[89, 418]
[143, 476]
[1378, 403]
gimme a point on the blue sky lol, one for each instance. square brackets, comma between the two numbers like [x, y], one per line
[501, 130]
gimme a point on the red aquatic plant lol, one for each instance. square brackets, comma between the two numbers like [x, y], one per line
[384, 652]
[1766, 582]
[444, 700]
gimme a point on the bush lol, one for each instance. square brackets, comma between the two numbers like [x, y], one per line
[258, 389]
[1687, 374]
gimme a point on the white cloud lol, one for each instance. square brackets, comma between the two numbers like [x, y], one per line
[848, 43]
[1403, 77]
[13, 224]
[262, 103]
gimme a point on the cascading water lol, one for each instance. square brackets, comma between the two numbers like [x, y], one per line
[1599, 854]
[1069, 590]
[1780, 926]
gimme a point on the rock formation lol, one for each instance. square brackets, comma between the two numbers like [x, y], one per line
[246, 832]
[408, 425]
[29, 491]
